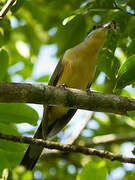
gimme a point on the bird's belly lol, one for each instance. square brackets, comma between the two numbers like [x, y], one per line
[74, 77]
[77, 76]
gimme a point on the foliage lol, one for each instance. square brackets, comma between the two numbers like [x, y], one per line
[90, 169]
[18, 173]
[23, 31]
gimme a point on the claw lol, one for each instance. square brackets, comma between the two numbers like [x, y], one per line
[62, 86]
[88, 90]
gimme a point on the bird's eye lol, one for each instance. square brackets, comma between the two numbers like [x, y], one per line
[94, 27]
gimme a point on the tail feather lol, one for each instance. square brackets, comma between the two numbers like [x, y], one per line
[29, 162]
[33, 152]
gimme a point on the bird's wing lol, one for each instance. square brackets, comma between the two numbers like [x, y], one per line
[55, 127]
[57, 72]
[34, 151]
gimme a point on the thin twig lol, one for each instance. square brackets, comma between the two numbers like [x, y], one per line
[6, 7]
[110, 138]
[97, 140]
[68, 148]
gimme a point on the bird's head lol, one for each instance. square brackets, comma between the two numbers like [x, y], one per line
[99, 31]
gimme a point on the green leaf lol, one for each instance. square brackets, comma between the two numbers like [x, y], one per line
[5, 31]
[121, 3]
[5, 174]
[107, 62]
[133, 85]
[76, 36]
[4, 59]
[10, 128]
[27, 175]
[20, 173]
[133, 151]
[17, 5]
[129, 63]
[131, 114]
[129, 175]
[9, 159]
[126, 74]
[93, 170]
[43, 78]
[17, 113]
[11, 146]
[68, 19]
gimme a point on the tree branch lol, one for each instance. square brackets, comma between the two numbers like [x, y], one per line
[65, 97]
[6, 7]
[77, 130]
[68, 148]
[97, 140]
[110, 138]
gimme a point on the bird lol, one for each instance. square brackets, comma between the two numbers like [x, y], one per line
[75, 69]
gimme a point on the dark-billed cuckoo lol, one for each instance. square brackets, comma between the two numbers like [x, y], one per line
[75, 69]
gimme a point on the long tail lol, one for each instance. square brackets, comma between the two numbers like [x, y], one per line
[33, 152]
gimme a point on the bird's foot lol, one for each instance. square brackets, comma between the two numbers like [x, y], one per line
[62, 85]
[88, 90]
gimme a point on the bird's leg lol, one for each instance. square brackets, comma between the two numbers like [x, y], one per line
[88, 90]
[62, 85]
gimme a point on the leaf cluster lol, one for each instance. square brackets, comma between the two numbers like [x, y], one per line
[27, 27]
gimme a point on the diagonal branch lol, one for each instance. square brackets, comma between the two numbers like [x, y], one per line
[110, 139]
[6, 7]
[97, 140]
[68, 148]
[65, 97]
[77, 130]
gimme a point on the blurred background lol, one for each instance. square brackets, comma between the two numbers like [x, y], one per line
[33, 36]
